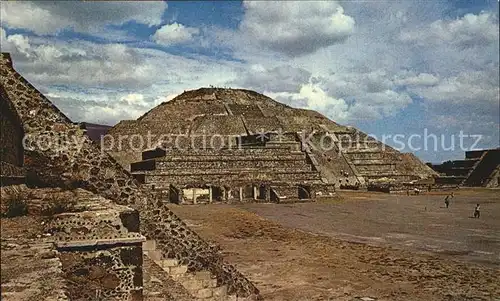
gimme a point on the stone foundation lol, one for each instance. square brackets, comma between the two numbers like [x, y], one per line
[78, 162]
[479, 168]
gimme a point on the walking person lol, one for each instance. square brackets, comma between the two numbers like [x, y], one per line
[447, 199]
[477, 213]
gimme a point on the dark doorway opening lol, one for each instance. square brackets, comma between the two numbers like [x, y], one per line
[262, 192]
[304, 192]
[217, 194]
[174, 195]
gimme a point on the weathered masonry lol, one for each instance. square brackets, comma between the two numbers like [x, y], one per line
[11, 147]
[269, 170]
[196, 133]
[74, 161]
[480, 168]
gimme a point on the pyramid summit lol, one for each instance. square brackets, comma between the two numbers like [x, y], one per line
[259, 140]
[257, 110]
[205, 146]
[100, 218]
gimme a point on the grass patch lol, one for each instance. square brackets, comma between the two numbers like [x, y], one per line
[16, 204]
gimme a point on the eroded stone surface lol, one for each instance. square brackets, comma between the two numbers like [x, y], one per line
[74, 161]
[201, 117]
[30, 268]
[11, 148]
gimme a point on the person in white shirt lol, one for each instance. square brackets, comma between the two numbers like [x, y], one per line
[477, 213]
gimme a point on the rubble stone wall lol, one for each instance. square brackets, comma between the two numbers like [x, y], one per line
[11, 149]
[79, 162]
[109, 274]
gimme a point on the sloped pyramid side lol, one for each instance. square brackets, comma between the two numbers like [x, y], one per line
[209, 111]
[72, 159]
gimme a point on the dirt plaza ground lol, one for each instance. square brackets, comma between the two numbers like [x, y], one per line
[382, 246]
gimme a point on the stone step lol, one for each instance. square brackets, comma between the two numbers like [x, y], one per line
[191, 283]
[166, 263]
[155, 255]
[366, 152]
[298, 177]
[369, 161]
[299, 163]
[233, 151]
[267, 157]
[204, 170]
[220, 293]
[149, 245]
[203, 275]
[202, 285]
[158, 285]
[175, 271]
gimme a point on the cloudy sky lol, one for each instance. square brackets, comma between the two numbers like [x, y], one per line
[387, 68]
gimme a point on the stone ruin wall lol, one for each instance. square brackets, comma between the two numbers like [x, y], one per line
[479, 168]
[11, 149]
[100, 248]
[95, 242]
[83, 164]
[494, 181]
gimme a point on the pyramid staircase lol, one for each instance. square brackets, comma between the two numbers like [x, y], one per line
[371, 159]
[483, 169]
[477, 169]
[180, 284]
[274, 164]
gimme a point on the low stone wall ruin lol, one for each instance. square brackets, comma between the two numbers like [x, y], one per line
[81, 163]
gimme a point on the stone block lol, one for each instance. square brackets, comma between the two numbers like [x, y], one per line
[210, 283]
[192, 284]
[169, 262]
[121, 281]
[94, 220]
[203, 293]
[177, 270]
[203, 275]
[149, 245]
[155, 255]
[220, 292]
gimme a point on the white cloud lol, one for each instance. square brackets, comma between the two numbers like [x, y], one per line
[386, 103]
[467, 87]
[317, 99]
[470, 30]
[14, 44]
[105, 83]
[174, 33]
[296, 28]
[134, 100]
[115, 66]
[20, 42]
[161, 99]
[45, 17]
[282, 78]
[99, 106]
[312, 96]
[422, 79]
[306, 54]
